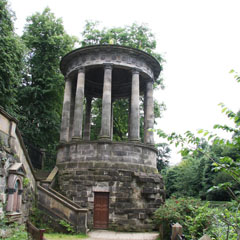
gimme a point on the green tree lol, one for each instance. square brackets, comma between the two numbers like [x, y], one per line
[41, 92]
[163, 156]
[224, 156]
[136, 36]
[185, 179]
[195, 174]
[11, 60]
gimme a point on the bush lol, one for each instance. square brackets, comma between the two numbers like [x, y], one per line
[175, 210]
[16, 232]
[197, 218]
[200, 222]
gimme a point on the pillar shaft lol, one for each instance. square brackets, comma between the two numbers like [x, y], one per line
[134, 116]
[78, 110]
[73, 96]
[106, 104]
[112, 120]
[149, 114]
[145, 115]
[87, 125]
[64, 134]
[129, 116]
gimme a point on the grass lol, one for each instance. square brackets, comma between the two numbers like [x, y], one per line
[56, 236]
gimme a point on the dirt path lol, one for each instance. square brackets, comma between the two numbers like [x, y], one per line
[109, 235]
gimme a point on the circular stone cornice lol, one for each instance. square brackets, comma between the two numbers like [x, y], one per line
[110, 54]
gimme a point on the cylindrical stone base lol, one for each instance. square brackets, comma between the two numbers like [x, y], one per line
[125, 171]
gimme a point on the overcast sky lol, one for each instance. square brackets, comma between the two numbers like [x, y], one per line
[199, 39]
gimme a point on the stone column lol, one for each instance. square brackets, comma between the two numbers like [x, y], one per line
[129, 116]
[106, 103]
[64, 134]
[134, 116]
[145, 114]
[87, 125]
[149, 114]
[78, 110]
[112, 119]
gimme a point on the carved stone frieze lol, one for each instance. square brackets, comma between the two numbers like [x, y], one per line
[119, 56]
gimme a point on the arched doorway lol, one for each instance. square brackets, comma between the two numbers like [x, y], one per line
[15, 189]
[16, 196]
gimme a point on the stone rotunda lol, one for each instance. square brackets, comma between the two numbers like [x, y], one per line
[117, 182]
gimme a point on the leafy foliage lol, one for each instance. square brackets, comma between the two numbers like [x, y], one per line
[222, 156]
[175, 210]
[195, 174]
[225, 162]
[136, 36]
[163, 156]
[41, 92]
[120, 119]
[11, 60]
[199, 218]
[67, 226]
[14, 231]
[17, 232]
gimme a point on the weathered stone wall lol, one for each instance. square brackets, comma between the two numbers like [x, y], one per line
[12, 151]
[6, 161]
[113, 152]
[125, 170]
[61, 208]
[134, 196]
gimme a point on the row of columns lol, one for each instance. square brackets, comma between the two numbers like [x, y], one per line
[107, 109]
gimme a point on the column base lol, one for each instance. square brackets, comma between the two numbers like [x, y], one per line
[150, 144]
[104, 138]
[76, 139]
[86, 138]
[62, 142]
[136, 140]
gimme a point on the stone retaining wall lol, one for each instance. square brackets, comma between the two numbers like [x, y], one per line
[62, 208]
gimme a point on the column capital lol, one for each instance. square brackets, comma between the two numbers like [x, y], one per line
[135, 71]
[108, 66]
[81, 69]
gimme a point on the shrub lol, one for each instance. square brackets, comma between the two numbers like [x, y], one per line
[200, 222]
[175, 210]
[221, 222]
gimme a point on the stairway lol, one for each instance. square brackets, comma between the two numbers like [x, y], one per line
[60, 207]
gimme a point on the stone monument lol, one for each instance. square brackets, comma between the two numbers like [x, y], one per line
[117, 182]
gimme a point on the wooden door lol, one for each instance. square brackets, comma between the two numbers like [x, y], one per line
[15, 196]
[101, 211]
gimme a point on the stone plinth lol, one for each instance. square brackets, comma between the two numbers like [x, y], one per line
[139, 155]
[125, 170]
